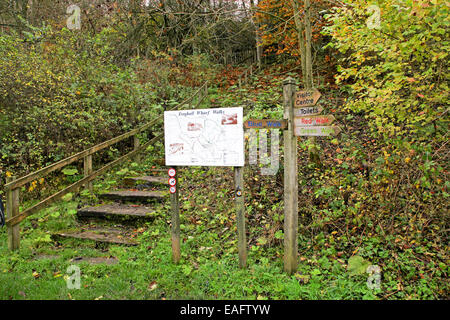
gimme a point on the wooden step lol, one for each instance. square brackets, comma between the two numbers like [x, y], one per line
[116, 210]
[150, 180]
[100, 235]
[95, 260]
[128, 195]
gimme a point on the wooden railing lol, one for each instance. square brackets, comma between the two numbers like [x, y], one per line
[241, 57]
[12, 187]
[244, 76]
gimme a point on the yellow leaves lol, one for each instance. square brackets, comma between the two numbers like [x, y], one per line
[8, 174]
[407, 159]
[32, 186]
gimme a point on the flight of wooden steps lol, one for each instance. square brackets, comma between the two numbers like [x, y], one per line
[141, 196]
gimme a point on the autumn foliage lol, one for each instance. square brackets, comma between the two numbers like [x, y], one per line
[277, 26]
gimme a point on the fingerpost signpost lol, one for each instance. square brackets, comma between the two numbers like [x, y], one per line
[303, 119]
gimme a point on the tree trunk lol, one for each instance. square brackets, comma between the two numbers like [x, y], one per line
[301, 39]
[257, 35]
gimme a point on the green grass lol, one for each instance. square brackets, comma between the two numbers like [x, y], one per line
[208, 268]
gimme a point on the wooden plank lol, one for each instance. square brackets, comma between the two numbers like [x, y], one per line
[127, 195]
[88, 171]
[300, 112]
[16, 219]
[115, 210]
[175, 228]
[99, 236]
[290, 181]
[12, 210]
[318, 131]
[136, 144]
[265, 123]
[320, 120]
[95, 260]
[145, 180]
[240, 215]
[306, 98]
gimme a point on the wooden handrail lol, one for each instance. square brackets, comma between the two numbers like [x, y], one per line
[15, 217]
[245, 75]
[18, 218]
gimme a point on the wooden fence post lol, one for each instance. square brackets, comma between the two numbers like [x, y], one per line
[88, 171]
[175, 210]
[240, 215]
[290, 181]
[12, 209]
[137, 144]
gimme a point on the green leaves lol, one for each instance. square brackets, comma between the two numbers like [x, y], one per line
[68, 197]
[378, 64]
[69, 172]
[357, 265]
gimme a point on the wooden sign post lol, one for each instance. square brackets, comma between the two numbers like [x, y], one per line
[290, 181]
[12, 209]
[240, 215]
[175, 210]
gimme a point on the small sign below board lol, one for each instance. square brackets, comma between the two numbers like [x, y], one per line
[172, 182]
[317, 131]
[301, 112]
[319, 120]
[265, 124]
[173, 189]
[172, 172]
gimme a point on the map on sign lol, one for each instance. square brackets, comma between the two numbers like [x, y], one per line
[204, 137]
